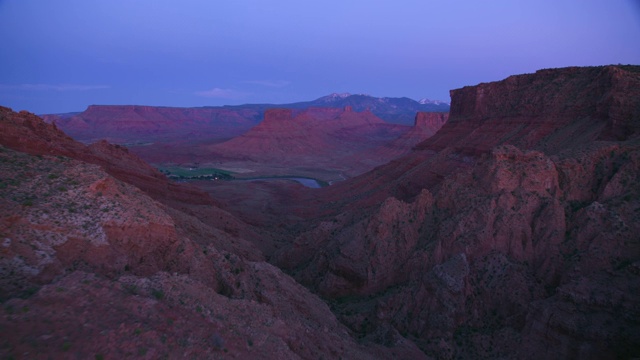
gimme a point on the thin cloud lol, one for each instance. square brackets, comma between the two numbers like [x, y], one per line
[269, 83]
[219, 93]
[53, 87]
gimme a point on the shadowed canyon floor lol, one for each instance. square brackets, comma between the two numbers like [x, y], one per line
[513, 232]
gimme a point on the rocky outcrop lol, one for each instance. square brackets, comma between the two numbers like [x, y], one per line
[430, 121]
[549, 110]
[461, 269]
[66, 214]
[514, 224]
[358, 257]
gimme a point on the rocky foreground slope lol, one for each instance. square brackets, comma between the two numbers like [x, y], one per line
[101, 257]
[511, 233]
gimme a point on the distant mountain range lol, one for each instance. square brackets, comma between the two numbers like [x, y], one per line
[426, 101]
[393, 110]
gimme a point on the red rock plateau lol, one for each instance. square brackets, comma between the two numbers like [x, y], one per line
[132, 123]
[513, 232]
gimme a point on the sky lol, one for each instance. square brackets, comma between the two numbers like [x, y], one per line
[64, 55]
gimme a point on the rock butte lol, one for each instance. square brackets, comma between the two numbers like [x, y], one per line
[510, 233]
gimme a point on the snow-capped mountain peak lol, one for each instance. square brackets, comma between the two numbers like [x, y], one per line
[434, 102]
[339, 95]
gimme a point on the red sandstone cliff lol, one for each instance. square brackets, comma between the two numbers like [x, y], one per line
[512, 232]
[430, 122]
[550, 110]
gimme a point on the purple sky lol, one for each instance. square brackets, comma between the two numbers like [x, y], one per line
[63, 55]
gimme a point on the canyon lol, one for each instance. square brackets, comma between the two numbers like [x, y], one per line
[507, 228]
[329, 139]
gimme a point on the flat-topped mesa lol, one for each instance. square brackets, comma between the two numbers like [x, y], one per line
[137, 123]
[548, 110]
[317, 116]
[430, 120]
[132, 113]
[101, 108]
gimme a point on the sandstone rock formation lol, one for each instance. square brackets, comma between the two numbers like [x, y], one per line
[511, 233]
[550, 110]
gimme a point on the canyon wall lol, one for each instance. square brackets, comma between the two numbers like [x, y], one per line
[483, 242]
[549, 110]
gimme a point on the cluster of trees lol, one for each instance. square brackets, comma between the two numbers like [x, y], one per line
[213, 176]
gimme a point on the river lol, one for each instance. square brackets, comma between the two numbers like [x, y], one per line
[308, 182]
